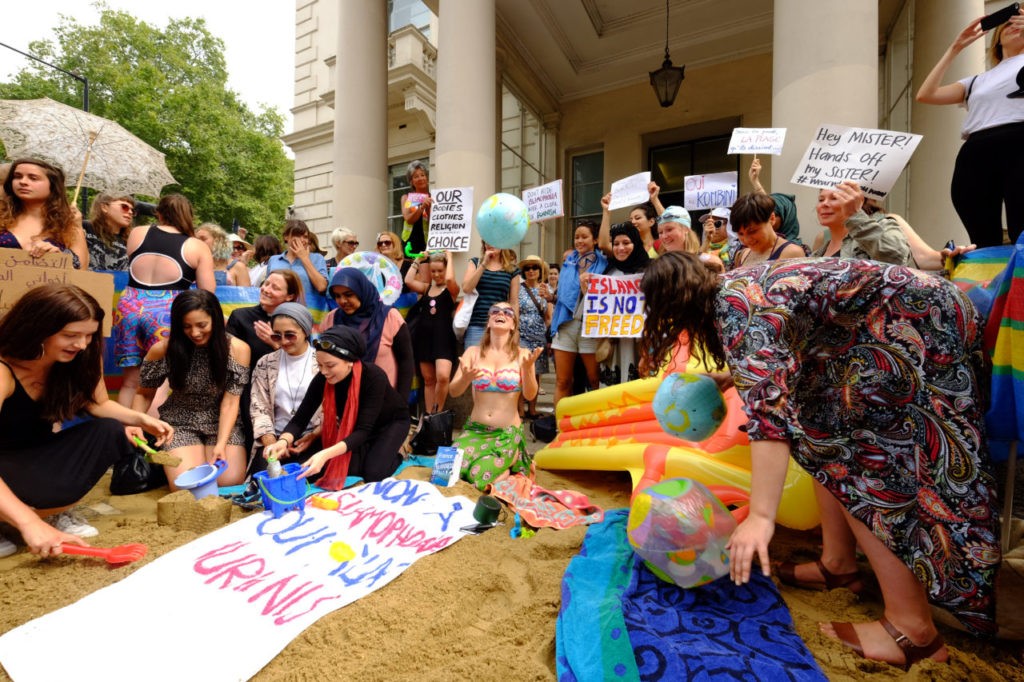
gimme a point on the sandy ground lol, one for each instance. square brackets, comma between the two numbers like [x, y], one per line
[483, 609]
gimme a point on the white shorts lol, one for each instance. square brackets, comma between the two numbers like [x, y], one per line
[570, 338]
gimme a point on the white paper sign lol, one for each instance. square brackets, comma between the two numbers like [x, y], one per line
[544, 202]
[613, 307]
[630, 191]
[451, 219]
[709, 191]
[757, 141]
[268, 580]
[872, 158]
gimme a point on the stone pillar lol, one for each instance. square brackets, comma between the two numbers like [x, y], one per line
[360, 119]
[467, 104]
[931, 168]
[824, 70]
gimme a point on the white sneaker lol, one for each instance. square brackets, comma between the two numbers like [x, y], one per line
[7, 548]
[72, 523]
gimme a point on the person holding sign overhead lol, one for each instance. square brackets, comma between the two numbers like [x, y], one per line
[644, 218]
[752, 214]
[784, 218]
[989, 170]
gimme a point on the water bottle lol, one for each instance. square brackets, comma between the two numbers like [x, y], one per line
[273, 467]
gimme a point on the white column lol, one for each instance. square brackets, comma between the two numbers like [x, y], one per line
[467, 103]
[931, 168]
[360, 118]
[824, 70]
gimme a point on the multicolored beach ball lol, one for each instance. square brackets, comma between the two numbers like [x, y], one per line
[689, 406]
[502, 220]
[680, 529]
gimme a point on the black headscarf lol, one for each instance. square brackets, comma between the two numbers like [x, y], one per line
[638, 259]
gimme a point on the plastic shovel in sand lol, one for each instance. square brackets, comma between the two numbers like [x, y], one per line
[122, 554]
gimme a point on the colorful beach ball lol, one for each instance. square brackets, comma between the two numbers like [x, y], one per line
[680, 529]
[380, 270]
[502, 220]
[689, 406]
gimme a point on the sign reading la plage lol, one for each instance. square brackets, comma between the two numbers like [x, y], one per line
[544, 202]
[613, 307]
[872, 158]
[451, 219]
[711, 190]
[757, 141]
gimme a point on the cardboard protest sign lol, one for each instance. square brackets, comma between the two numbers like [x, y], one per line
[630, 191]
[872, 158]
[613, 307]
[703, 192]
[20, 272]
[275, 576]
[757, 141]
[544, 202]
[451, 219]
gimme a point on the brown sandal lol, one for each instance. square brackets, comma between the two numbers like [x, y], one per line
[911, 652]
[851, 581]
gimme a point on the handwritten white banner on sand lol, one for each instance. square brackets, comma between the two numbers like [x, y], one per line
[757, 141]
[872, 158]
[221, 607]
[710, 190]
[544, 202]
[630, 191]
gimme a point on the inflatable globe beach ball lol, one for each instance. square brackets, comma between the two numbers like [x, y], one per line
[680, 529]
[689, 406]
[502, 220]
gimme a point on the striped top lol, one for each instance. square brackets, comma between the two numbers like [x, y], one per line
[494, 286]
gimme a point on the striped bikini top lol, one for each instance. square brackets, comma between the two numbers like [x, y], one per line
[502, 381]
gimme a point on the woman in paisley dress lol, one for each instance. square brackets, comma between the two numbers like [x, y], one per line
[871, 376]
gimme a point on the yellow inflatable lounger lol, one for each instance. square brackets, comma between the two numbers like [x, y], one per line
[614, 428]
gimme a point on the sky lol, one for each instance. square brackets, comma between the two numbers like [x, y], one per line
[258, 35]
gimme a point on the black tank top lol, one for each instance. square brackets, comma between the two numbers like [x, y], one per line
[170, 245]
[21, 421]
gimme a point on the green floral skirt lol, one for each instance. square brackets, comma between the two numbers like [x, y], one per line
[489, 452]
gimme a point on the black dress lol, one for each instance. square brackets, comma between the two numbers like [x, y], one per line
[435, 339]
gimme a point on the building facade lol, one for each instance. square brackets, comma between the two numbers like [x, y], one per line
[503, 95]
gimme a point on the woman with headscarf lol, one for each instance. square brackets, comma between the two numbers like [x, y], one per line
[628, 257]
[388, 344]
[365, 421]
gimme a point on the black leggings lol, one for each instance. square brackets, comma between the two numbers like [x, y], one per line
[989, 172]
[379, 457]
[61, 470]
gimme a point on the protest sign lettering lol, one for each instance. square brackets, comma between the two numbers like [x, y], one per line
[544, 202]
[872, 158]
[710, 190]
[451, 219]
[630, 191]
[613, 307]
[757, 141]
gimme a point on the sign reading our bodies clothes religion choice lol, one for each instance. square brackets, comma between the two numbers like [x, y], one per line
[872, 158]
[451, 219]
[613, 307]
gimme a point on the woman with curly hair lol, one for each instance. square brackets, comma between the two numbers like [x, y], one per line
[36, 216]
[870, 376]
[110, 220]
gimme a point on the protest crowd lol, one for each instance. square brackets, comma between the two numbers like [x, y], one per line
[323, 372]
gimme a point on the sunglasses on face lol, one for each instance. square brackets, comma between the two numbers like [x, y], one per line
[238, 247]
[527, 268]
[384, 242]
[499, 310]
[128, 208]
[718, 223]
[291, 336]
[352, 242]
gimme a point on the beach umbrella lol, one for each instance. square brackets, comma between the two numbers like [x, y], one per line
[106, 157]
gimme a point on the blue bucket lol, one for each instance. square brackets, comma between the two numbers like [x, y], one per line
[284, 492]
[202, 480]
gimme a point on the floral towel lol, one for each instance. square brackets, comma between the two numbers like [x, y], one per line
[542, 508]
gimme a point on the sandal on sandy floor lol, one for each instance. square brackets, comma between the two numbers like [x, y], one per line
[912, 652]
[851, 581]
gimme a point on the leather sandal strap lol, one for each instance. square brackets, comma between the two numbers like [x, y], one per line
[911, 651]
[835, 580]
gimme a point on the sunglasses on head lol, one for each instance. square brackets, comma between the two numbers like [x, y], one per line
[291, 336]
[384, 242]
[330, 347]
[500, 310]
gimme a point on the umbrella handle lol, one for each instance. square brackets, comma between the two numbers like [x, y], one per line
[85, 162]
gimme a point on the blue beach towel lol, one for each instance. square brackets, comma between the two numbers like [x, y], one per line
[618, 621]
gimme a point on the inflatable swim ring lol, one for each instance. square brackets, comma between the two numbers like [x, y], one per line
[380, 270]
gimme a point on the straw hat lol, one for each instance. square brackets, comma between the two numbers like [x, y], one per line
[235, 239]
[537, 260]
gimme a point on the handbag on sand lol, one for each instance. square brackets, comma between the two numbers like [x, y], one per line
[433, 431]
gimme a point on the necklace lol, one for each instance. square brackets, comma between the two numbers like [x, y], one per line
[300, 383]
[753, 258]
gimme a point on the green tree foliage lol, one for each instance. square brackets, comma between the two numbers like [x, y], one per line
[169, 87]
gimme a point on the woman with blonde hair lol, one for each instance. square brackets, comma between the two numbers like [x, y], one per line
[111, 221]
[345, 242]
[226, 271]
[499, 371]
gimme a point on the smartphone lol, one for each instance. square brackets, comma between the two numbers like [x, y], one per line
[1001, 17]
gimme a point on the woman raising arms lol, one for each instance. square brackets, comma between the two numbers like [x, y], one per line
[51, 371]
[435, 348]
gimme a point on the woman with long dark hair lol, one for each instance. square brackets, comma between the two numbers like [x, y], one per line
[110, 222]
[207, 370]
[50, 372]
[871, 377]
[36, 216]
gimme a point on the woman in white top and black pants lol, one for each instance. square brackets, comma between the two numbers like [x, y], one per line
[989, 169]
